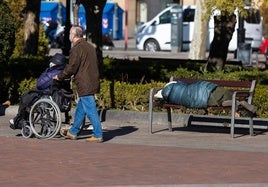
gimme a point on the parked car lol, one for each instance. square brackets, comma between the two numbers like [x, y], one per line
[264, 46]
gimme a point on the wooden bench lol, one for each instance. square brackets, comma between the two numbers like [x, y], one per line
[241, 90]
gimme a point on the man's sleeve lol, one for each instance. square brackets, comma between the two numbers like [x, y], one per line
[71, 68]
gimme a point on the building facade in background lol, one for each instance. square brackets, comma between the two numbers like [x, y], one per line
[141, 11]
[138, 11]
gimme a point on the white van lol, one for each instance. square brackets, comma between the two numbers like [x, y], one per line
[155, 35]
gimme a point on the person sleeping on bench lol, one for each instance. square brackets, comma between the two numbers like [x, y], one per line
[200, 94]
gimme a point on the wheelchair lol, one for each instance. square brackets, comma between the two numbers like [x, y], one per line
[45, 116]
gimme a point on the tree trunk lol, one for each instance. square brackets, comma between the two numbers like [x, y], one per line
[223, 31]
[94, 11]
[199, 42]
[31, 28]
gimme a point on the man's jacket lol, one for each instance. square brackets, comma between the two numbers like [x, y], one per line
[83, 66]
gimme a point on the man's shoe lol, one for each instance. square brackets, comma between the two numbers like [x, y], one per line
[94, 139]
[71, 136]
[63, 132]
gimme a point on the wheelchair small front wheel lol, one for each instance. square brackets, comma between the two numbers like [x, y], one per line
[26, 131]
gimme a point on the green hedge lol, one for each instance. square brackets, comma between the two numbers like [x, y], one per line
[7, 33]
[121, 90]
[22, 71]
[126, 96]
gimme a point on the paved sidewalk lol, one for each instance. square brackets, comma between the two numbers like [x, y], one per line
[186, 157]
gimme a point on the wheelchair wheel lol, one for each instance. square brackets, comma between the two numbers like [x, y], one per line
[26, 131]
[45, 118]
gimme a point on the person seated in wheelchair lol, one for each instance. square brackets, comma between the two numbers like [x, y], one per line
[43, 87]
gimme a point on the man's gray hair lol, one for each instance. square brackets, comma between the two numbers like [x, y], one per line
[77, 31]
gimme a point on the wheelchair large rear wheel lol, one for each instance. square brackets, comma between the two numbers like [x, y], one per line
[45, 118]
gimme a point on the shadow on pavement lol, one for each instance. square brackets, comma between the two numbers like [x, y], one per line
[239, 132]
[109, 134]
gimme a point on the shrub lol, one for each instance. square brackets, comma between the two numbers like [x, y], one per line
[17, 7]
[134, 95]
[24, 68]
[27, 84]
[7, 33]
[7, 39]
[125, 96]
[261, 101]
[42, 41]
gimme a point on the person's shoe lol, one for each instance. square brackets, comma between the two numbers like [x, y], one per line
[11, 121]
[12, 125]
[7, 103]
[64, 132]
[71, 136]
[94, 139]
[248, 106]
[90, 127]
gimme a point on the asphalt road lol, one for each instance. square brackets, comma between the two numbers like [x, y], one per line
[126, 49]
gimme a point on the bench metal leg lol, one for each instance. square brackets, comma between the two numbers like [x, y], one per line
[232, 125]
[150, 113]
[150, 120]
[233, 115]
[251, 131]
[169, 119]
